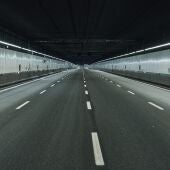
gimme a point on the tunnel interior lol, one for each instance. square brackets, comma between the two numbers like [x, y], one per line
[84, 85]
[84, 31]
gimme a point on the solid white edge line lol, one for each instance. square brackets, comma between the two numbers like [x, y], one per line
[118, 85]
[10, 88]
[131, 92]
[88, 105]
[86, 92]
[97, 150]
[38, 79]
[152, 86]
[43, 91]
[58, 81]
[155, 105]
[22, 105]
[144, 83]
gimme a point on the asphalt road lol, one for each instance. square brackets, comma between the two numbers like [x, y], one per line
[84, 120]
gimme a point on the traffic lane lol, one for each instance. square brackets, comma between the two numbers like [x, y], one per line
[156, 93]
[51, 132]
[132, 134]
[16, 85]
[49, 77]
[16, 95]
[13, 100]
[157, 104]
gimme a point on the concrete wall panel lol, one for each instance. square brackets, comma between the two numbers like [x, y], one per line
[153, 67]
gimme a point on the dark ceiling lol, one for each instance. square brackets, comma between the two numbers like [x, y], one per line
[85, 31]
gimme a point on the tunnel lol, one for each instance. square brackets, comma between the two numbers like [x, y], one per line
[84, 85]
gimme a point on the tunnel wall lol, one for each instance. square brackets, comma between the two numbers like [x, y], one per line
[152, 67]
[17, 66]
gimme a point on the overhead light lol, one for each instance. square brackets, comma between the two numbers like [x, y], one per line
[135, 52]
[9, 44]
[158, 46]
[32, 51]
[26, 49]
[140, 51]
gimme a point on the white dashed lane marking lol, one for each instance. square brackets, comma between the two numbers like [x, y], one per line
[43, 91]
[97, 150]
[156, 106]
[86, 92]
[88, 105]
[131, 92]
[22, 105]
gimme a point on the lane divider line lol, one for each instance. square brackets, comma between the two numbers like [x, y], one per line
[161, 88]
[83, 75]
[22, 105]
[118, 85]
[43, 91]
[58, 81]
[111, 81]
[52, 85]
[89, 105]
[131, 92]
[85, 86]
[13, 87]
[155, 105]
[29, 82]
[84, 81]
[86, 92]
[97, 150]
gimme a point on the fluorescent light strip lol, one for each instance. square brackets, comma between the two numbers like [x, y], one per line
[158, 46]
[135, 52]
[16, 46]
[9, 44]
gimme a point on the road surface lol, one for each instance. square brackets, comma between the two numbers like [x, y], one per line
[84, 120]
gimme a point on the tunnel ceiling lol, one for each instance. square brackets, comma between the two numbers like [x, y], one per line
[85, 31]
